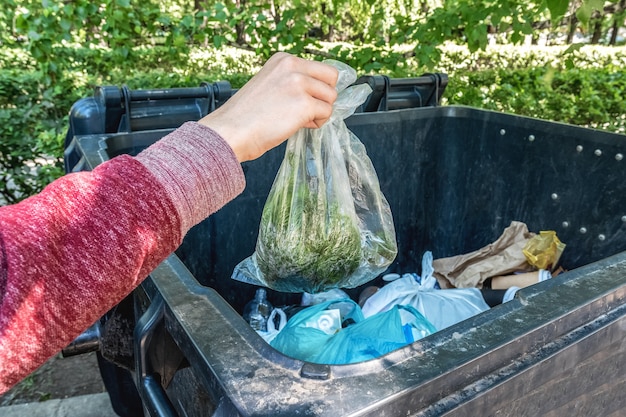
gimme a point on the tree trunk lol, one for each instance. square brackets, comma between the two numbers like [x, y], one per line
[330, 36]
[597, 30]
[614, 30]
[573, 23]
[275, 12]
[617, 22]
[240, 26]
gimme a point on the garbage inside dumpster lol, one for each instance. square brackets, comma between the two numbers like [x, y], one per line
[516, 251]
[333, 329]
[326, 223]
[325, 334]
[442, 308]
[544, 250]
[257, 312]
[276, 322]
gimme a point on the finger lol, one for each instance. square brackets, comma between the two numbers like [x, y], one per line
[315, 69]
[316, 124]
[321, 90]
[323, 72]
[320, 113]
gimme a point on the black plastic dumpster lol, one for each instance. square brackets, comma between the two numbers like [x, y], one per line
[455, 177]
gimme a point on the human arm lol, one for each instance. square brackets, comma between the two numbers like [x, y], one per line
[70, 253]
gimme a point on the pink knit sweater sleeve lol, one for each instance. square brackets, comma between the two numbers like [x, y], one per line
[70, 253]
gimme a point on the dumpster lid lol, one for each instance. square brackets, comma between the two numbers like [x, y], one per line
[403, 93]
[114, 109]
[122, 110]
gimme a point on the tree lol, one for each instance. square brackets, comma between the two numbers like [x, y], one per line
[376, 29]
[618, 21]
[54, 37]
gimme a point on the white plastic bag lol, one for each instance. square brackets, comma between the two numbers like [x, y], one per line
[442, 308]
[309, 299]
[272, 330]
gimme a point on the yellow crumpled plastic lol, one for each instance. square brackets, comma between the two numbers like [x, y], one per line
[544, 250]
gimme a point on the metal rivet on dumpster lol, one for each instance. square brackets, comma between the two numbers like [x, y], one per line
[583, 230]
[619, 157]
[565, 224]
[554, 196]
[624, 219]
[531, 138]
[579, 148]
[502, 132]
[601, 237]
[597, 152]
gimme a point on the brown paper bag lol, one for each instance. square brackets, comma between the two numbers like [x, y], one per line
[502, 257]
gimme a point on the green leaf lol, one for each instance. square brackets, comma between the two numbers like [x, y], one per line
[179, 41]
[187, 21]
[585, 11]
[557, 9]
[34, 36]
[65, 24]
[221, 16]
[596, 4]
[572, 48]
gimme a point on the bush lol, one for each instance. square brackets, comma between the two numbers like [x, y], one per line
[457, 58]
[27, 111]
[583, 86]
[34, 112]
[582, 96]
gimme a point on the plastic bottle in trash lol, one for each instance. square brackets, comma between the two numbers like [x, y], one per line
[258, 311]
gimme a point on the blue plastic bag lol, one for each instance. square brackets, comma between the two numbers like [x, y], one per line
[306, 333]
[310, 336]
[375, 336]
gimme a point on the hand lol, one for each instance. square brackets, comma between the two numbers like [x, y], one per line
[287, 94]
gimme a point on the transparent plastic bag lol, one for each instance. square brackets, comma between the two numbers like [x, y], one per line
[272, 328]
[326, 223]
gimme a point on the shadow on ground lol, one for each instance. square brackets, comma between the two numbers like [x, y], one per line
[58, 378]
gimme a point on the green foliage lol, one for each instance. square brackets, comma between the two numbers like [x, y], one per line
[47, 28]
[581, 96]
[306, 242]
[557, 8]
[34, 113]
[465, 20]
[257, 25]
[458, 58]
[53, 52]
[587, 8]
[27, 109]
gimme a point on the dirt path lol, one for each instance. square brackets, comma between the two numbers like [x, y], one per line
[58, 378]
